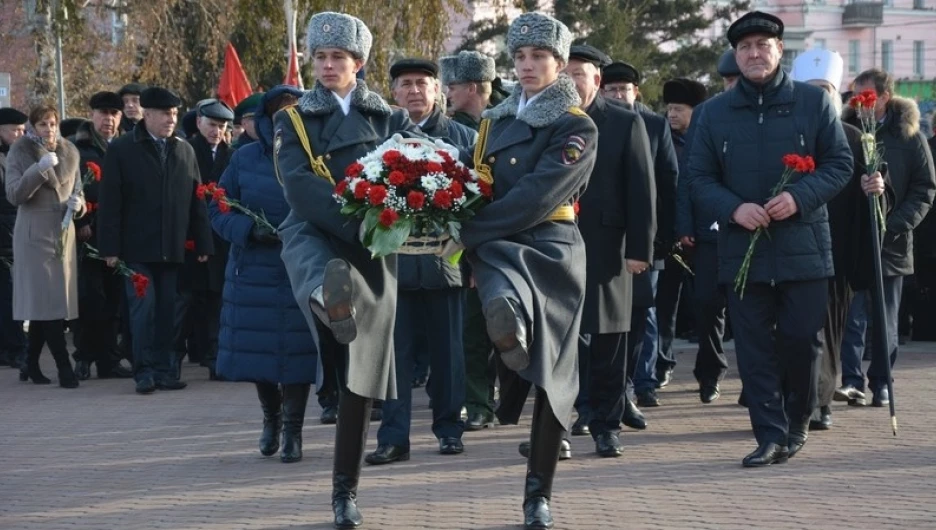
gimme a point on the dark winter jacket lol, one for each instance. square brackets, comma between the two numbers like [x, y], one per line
[91, 148]
[691, 217]
[148, 210]
[910, 171]
[264, 335]
[736, 158]
[666, 173]
[7, 210]
[208, 276]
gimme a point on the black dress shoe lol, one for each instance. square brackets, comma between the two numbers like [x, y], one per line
[347, 515]
[821, 419]
[329, 415]
[536, 514]
[849, 393]
[608, 445]
[665, 378]
[648, 398]
[881, 398]
[145, 386]
[386, 454]
[451, 446]
[565, 450]
[766, 454]
[794, 447]
[82, 370]
[479, 421]
[170, 384]
[580, 427]
[709, 393]
[632, 416]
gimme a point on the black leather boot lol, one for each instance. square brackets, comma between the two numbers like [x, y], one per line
[350, 439]
[30, 371]
[545, 442]
[271, 401]
[295, 398]
[55, 338]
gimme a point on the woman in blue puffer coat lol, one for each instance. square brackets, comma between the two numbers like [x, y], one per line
[264, 337]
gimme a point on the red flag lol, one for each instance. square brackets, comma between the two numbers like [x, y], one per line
[234, 85]
[293, 76]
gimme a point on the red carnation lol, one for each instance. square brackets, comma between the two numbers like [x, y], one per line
[377, 194]
[456, 189]
[354, 170]
[189, 245]
[388, 217]
[210, 188]
[360, 191]
[486, 190]
[442, 199]
[433, 167]
[200, 191]
[140, 283]
[445, 156]
[218, 194]
[391, 157]
[416, 200]
[95, 170]
[341, 187]
[224, 206]
[791, 161]
[90, 207]
[806, 165]
[396, 178]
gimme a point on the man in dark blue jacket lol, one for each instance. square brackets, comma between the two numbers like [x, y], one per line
[12, 338]
[734, 168]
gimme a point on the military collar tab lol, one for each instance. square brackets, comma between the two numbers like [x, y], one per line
[551, 104]
[320, 101]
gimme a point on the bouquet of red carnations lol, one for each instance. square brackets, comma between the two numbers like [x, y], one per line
[140, 282]
[873, 151]
[412, 196]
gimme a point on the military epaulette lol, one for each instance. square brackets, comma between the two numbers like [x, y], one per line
[577, 111]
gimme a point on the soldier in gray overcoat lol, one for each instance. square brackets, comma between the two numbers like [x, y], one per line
[333, 276]
[525, 249]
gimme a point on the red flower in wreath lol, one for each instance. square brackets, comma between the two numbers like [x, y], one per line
[391, 157]
[377, 194]
[416, 200]
[341, 187]
[433, 167]
[360, 191]
[442, 199]
[486, 190]
[388, 217]
[354, 170]
[396, 178]
[456, 189]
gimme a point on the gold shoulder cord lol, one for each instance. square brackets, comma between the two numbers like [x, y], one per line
[317, 162]
[483, 170]
[577, 111]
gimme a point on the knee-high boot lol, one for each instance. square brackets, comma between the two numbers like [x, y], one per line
[545, 440]
[350, 438]
[55, 338]
[295, 398]
[30, 368]
[271, 401]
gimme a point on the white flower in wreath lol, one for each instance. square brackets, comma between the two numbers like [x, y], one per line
[429, 183]
[373, 170]
[354, 183]
[473, 188]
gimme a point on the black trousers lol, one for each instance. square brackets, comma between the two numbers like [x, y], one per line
[607, 354]
[99, 297]
[710, 305]
[669, 289]
[197, 315]
[778, 336]
[12, 336]
[840, 298]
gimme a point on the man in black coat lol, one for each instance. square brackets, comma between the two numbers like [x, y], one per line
[100, 291]
[734, 169]
[12, 338]
[911, 173]
[654, 316]
[147, 211]
[618, 207]
[132, 111]
[198, 307]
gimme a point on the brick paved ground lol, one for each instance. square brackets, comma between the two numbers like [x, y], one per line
[101, 458]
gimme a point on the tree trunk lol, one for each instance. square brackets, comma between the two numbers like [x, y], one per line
[43, 87]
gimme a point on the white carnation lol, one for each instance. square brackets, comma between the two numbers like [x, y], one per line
[473, 188]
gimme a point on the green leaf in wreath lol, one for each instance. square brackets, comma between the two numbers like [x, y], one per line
[386, 241]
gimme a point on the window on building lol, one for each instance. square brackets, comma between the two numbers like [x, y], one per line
[887, 55]
[854, 62]
[918, 58]
[819, 44]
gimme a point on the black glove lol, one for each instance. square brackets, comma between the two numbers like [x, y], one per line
[263, 235]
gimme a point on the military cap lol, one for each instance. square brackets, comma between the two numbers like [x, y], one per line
[406, 66]
[620, 72]
[247, 107]
[11, 116]
[728, 64]
[214, 109]
[131, 88]
[156, 97]
[106, 101]
[685, 91]
[753, 23]
[589, 54]
[467, 67]
[540, 31]
[338, 30]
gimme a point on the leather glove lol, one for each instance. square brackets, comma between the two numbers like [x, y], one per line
[263, 235]
[76, 203]
[48, 161]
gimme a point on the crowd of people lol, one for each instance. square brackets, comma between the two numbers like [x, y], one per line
[605, 216]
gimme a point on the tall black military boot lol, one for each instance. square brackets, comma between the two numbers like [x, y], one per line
[271, 401]
[350, 438]
[55, 338]
[29, 370]
[295, 398]
[546, 440]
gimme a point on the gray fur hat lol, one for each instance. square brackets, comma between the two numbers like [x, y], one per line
[540, 31]
[338, 30]
[467, 67]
